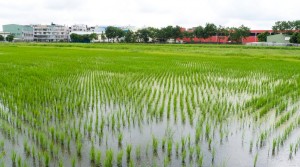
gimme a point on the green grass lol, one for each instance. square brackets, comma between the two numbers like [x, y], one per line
[73, 100]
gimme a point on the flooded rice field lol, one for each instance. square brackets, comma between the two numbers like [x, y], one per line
[109, 109]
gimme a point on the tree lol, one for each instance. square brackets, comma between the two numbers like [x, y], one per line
[221, 33]
[129, 37]
[167, 33]
[263, 36]
[199, 32]
[295, 38]
[86, 38]
[103, 37]
[119, 33]
[209, 30]
[74, 37]
[114, 33]
[280, 27]
[286, 27]
[160, 35]
[1, 38]
[237, 34]
[297, 25]
[10, 38]
[93, 36]
[144, 35]
[176, 33]
[111, 32]
[153, 33]
[189, 35]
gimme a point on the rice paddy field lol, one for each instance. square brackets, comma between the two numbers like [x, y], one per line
[149, 105]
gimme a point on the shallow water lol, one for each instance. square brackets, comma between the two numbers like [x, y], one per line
[140, 125]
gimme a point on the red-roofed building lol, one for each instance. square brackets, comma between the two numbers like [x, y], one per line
[223, 39]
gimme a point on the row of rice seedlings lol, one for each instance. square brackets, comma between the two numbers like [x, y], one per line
[185, 143]
[27, 148]
[291, 151]
[285, 118]
[138, 153]
[280, 140]
[27, 151]
[108, 162]
[297, 145]
[18, 161]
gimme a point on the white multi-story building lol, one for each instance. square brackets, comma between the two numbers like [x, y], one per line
[78, 28]
[50, 33]
[86, 28]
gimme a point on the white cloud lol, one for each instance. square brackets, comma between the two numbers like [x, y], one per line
[257, 14]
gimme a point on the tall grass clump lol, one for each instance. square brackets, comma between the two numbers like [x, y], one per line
[98, 158]
[14, 157]
[109, 158]
[92, 154]
[128, 152]
[120, 158]
[154, 145]
[78, 148]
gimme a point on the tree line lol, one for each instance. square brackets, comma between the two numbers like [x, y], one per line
[162, 35]
[86, 38]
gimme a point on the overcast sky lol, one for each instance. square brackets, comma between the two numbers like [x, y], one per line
[256, 14]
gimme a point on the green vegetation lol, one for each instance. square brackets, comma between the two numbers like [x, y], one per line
[113, 104]
[83, 38]
[10, 38]
[1, 38]
[162, 35]
[109, 158]
[263, 36]
[120, 158]
[287, 27]
[295, 38]
[255, 159]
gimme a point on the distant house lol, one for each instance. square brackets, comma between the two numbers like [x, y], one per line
[279, 38]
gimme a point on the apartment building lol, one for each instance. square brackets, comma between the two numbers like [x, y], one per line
[50, 33]
[78, 28]
[85, 28]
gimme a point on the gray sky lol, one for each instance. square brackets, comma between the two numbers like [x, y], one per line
[256, 14]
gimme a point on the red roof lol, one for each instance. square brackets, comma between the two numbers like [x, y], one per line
[260, 31]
